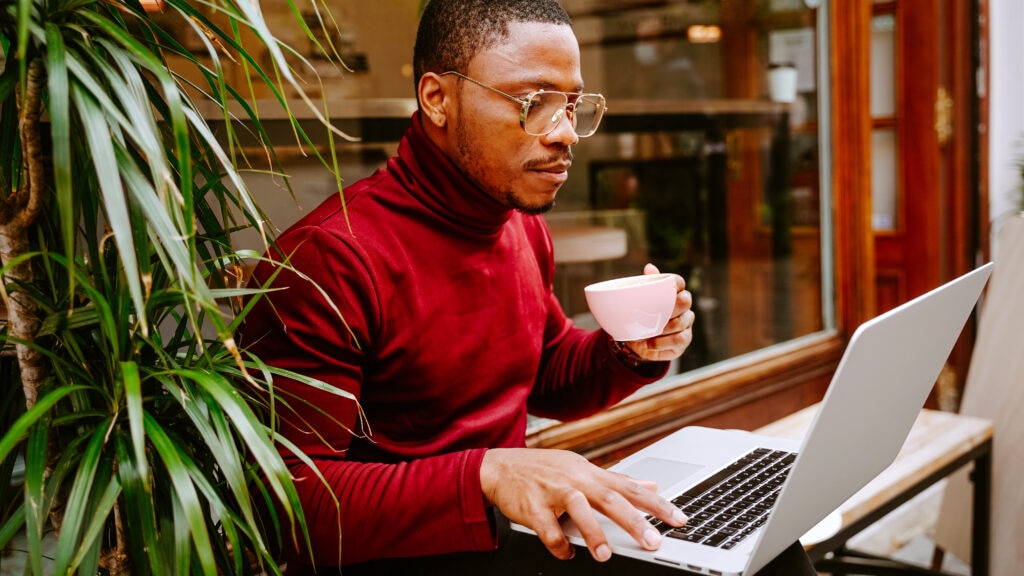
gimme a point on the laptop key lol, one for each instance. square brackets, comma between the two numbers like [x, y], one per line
[715, 539]
[684, 536]
[658, 525]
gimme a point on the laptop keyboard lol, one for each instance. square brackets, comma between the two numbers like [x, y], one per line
[730, 505]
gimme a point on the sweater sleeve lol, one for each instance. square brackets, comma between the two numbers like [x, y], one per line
[358, 511]
[579, 373]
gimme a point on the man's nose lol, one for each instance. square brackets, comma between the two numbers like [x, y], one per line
[564, 132]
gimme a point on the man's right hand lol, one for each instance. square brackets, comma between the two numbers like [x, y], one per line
[534, 487]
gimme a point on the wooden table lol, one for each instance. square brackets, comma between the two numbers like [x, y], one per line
[939, 444]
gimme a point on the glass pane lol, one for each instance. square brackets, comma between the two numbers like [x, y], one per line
[883, 179]
[883, 62]
[697, 168]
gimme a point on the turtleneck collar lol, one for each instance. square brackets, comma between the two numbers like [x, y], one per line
[431, 177]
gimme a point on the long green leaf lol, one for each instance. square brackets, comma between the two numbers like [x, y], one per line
[104, 313]
[36, 509]
[135, 102]
[249, 430]
[24, 15]
[213, 427]
[58, 107]
[133, 401]
[179, 547]
[299, 530]
[175, 105]
[76, 515]
[98, 136]
[12, 527]
[144, 541]
[233, 538]
[87, 558]
[254, 17]
[222, 509]
[185, 493]
[21, 426]
[163, 233]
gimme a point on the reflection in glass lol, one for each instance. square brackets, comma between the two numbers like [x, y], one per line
[697, 170]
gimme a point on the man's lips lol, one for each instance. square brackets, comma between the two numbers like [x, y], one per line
[553, 168]
[554, 173]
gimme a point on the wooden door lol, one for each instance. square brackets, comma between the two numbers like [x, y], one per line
[926, 155]
[907, 190]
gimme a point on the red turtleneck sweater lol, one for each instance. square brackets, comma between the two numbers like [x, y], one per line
[446, 332]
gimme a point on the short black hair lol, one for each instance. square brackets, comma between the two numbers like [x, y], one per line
[451, 32]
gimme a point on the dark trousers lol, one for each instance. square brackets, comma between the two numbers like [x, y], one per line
[521, 554]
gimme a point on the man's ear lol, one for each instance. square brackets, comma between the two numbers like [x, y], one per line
[433, 99]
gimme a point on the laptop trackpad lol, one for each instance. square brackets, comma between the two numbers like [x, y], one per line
[664, 472]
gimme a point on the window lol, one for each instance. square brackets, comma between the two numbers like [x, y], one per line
[700, 169]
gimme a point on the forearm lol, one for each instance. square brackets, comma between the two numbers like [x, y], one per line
[581, 375]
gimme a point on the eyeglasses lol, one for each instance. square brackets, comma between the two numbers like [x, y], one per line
[541, 110]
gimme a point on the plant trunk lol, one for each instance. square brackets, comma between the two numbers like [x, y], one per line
[115, 560]
[17, 213]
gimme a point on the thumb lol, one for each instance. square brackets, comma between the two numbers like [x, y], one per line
[650, 268]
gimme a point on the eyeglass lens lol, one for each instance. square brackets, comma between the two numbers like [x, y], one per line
[545, 111]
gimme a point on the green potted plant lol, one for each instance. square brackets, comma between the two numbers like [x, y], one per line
[135, 431]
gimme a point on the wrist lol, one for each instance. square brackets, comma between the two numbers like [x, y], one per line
[627, 355]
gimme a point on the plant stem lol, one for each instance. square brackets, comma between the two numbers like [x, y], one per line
[17, 213]
[117, 558]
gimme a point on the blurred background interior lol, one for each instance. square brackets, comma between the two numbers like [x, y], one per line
[794, 214]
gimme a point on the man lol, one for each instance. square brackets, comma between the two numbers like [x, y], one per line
[441, 267]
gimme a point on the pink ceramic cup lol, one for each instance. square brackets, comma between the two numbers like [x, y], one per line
[634, 307]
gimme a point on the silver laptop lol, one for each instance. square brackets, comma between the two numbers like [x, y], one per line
[786, 487]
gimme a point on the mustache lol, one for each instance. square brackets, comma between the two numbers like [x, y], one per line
[561, 157]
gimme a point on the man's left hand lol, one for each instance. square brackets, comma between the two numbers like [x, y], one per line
[678, 332]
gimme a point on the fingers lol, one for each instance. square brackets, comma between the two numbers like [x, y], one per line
[652, 269]
[649, 485]
[617, 507]
[626, 515]
[534, 487]
[680, 320]
[554, 539]
[643, 496]
[586, 521]
[684, 300]
[681, 323]
[672, 342]
[625, 504]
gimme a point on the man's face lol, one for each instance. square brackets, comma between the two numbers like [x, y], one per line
[485, 139]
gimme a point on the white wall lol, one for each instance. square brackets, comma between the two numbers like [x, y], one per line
[1006, 107]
